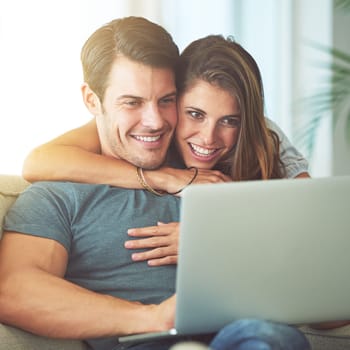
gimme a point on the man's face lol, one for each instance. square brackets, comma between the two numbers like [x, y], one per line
[138, 113]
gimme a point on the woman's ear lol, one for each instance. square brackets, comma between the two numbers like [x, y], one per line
[91, 100]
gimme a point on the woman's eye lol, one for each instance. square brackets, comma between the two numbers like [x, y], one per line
[232, 122]
[195, 114]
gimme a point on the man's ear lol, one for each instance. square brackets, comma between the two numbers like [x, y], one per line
[91, 100]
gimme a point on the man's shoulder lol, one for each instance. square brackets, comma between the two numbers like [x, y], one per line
[63, 189]
[79, 192]
[64, 186]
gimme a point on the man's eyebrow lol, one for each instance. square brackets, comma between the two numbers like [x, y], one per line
[121, 97]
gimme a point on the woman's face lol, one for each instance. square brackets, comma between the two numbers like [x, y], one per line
[208, 124]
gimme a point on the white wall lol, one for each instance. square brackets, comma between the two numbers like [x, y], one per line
[189, 20]
[40, 70]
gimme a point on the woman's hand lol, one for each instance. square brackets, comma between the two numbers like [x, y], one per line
[210, 176]
[173, 180]
[162, 241]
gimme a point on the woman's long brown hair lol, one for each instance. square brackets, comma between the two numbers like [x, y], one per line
[226, 64]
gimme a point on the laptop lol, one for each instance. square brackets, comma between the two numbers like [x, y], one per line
[277, 250]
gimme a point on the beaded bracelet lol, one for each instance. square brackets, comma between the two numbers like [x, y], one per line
[189, 183]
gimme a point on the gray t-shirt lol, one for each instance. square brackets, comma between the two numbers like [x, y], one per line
[91, 222]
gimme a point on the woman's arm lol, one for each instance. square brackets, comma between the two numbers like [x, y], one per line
[76, 156]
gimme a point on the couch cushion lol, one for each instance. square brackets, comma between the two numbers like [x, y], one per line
[16, 339]
[10, 187]
[332, 339]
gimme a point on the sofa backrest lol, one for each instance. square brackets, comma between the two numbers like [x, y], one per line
[10, 187]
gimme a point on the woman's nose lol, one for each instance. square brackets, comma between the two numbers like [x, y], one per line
[208, 134]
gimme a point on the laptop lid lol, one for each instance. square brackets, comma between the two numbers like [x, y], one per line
[277, 250]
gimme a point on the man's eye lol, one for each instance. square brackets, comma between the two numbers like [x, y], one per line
[168, 100]
[231, 122]
[132, 103]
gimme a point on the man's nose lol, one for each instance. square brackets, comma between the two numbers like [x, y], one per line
[152, 117]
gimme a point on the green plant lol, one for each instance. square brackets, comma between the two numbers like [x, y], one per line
[342, 5]
[333, 96]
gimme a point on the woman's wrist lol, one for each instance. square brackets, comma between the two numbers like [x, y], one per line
[158, 179]
[144, 183]
[166, 179]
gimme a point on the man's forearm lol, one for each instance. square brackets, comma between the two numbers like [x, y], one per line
[51, 306]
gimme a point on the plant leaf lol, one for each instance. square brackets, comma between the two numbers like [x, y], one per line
[342, 4]
[333, 93]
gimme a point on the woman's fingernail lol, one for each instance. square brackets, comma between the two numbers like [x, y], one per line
[135, 257]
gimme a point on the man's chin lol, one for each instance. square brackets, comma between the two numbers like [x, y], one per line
[150, 164]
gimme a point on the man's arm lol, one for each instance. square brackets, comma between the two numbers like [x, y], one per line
[35, 296]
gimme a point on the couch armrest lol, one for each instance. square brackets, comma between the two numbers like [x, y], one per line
[16, 339]
[10, 187]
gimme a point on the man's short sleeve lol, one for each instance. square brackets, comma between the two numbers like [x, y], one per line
[42, 210]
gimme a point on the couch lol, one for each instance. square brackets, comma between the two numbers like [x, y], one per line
[15, 339]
